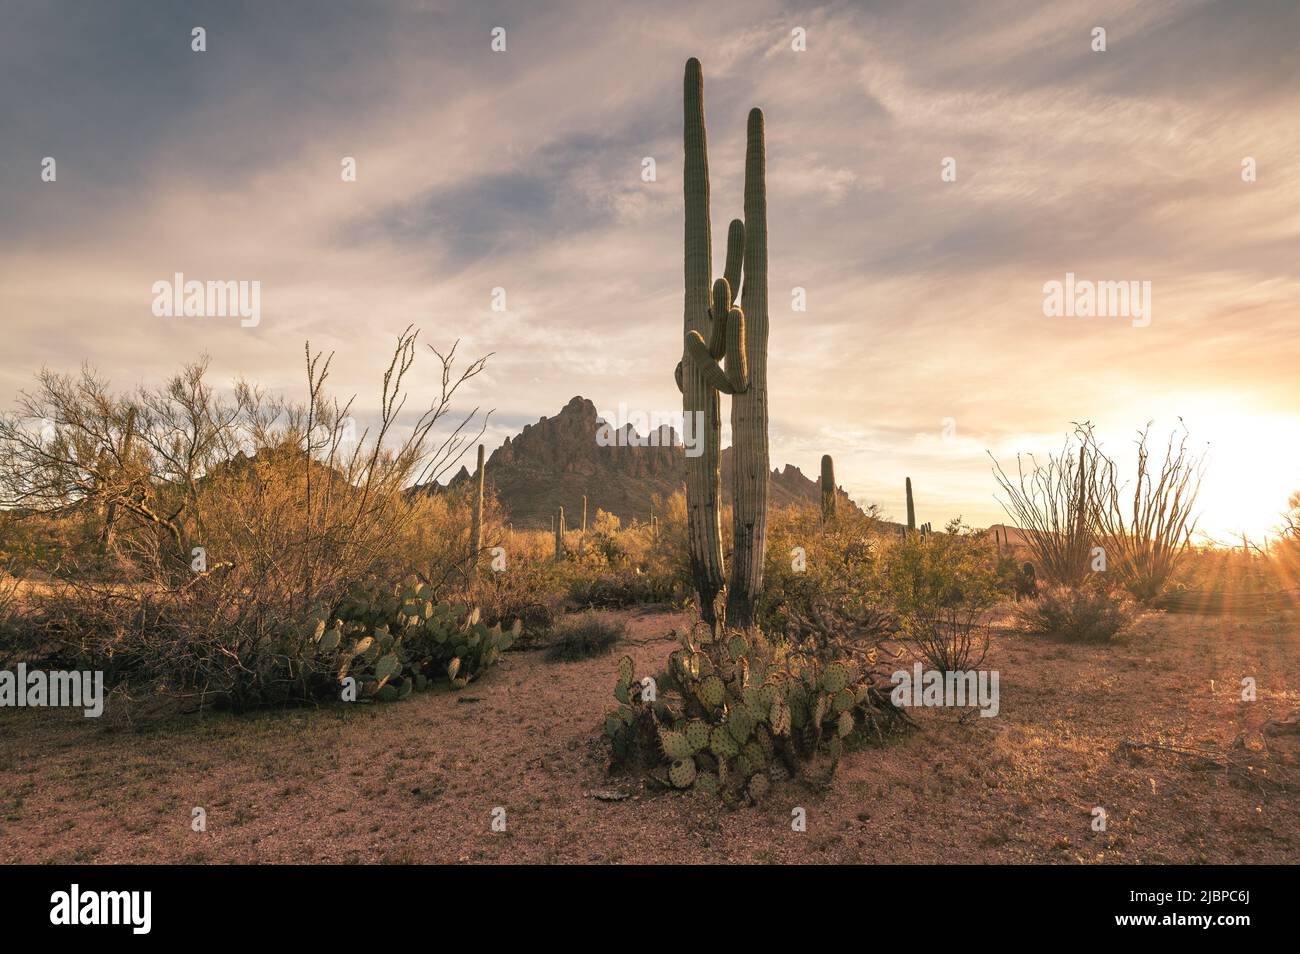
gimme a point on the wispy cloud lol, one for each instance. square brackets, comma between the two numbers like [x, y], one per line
[522, 170]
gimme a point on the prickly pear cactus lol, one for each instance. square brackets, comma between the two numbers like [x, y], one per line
[732, 716]
[395, 642]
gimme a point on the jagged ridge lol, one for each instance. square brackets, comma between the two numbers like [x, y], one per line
[554, 462]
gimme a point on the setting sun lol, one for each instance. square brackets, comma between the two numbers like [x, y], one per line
[1252, 466]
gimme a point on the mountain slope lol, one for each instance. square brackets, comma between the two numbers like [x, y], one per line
[554, 462]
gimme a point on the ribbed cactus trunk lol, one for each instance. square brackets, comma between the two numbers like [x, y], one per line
[911, 508]
[476, 518]
[749, 454]
[559, 535]
[828, 488]
[710, 335]
[700, 402]
[582, 536]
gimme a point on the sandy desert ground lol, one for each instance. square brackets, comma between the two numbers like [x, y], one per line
[418, 781]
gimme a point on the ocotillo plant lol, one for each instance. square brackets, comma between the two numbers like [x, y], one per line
[711, 334]
[749, 452]
[828, 488]
[476, 517]
[559, 535]
[911, 510]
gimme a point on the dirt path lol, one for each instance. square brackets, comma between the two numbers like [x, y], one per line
[418, 781]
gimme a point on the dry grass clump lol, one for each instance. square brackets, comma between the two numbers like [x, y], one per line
[1077, 615]
[584, 635]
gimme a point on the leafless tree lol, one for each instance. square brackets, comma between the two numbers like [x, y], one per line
[286, 507]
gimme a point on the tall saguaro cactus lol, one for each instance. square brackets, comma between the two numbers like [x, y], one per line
[476, 517]
[828, 488]
[712, 334]
[750, 472]
[559, 534]
[911, 509]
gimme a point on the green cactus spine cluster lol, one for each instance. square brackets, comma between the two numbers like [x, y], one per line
[828, 488]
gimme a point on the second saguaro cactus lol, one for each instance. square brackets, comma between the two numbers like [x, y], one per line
[828, 488]
[911, 509]
[559, 534]
[750, 472]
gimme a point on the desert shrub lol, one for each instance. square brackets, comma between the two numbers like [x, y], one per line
[823, 578]
[611, 566]
[735, 714]
[435, 539]
[1015, 578]
[659, 555]
[940, 586]
[530, 587]
[610, 589]
[17, 640]
[584, 635]
[620, 565]
[1076, 615]
[604, 539]
[1288, 549]
[1220, 571]
[33, 541]
[229, 522]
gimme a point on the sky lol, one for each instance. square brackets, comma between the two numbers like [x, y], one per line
[925, 345]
